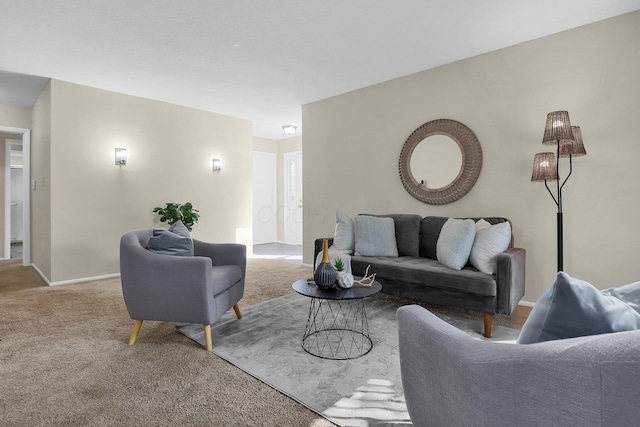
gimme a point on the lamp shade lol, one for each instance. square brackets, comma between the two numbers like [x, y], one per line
[544, 167]
[574, 148]
[557, 128]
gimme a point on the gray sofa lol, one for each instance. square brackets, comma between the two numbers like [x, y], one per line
[416, 273]
[452, 379]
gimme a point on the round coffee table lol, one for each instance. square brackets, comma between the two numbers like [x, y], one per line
[337, 326]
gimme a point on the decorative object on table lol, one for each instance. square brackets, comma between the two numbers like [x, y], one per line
[325, 275]
[546, 166]
[175, 212]
[366, 280]
[345, 279]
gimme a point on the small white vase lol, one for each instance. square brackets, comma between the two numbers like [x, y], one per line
[345, 280]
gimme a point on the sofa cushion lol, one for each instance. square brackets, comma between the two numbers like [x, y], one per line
[407, 228]
[344, 238]
[455, 242]
[427, 272]
[174, 241]
[574, 308]
[375, 236]
[490, 241]
[224, 276]
[430, 227]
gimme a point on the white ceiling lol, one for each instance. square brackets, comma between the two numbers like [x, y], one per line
[261, 60]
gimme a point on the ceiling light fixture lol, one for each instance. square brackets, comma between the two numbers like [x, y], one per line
[289, 129]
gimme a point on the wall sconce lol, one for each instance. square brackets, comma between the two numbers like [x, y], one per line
[289, 129]
[121, 156]
[216, 165]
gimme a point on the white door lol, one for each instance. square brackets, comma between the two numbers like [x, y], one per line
[292, 196]
[265, 197]
[16, 204]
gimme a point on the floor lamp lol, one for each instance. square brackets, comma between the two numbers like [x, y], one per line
[546, 166]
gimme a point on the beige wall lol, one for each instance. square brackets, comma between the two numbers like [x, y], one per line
[93, 201]
[17, 117]
[265, 145]
[352, 142]
[41, 173]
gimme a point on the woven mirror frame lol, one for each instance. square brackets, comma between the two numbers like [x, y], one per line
[469, 171]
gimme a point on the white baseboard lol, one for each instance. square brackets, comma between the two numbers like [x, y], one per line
[67, 282]
[527, 303]
[84, 279]
[35, 267]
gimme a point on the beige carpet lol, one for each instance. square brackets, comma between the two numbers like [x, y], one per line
[64, 359]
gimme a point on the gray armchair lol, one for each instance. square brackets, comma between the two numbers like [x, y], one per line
[196, 289]
[452, 379]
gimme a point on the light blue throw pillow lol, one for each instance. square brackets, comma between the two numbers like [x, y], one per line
[574, 308]
[174, 241]
[455, 242]
[630, 294]
[375, 236]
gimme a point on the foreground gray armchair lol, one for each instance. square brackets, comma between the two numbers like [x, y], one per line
[196, 289]
[452, 379]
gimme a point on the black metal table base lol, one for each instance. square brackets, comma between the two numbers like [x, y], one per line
[337, 329]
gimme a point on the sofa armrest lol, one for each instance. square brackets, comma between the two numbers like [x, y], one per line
[317, 248]
[510, 277]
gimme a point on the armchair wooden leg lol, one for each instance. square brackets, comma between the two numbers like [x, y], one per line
[488, 318]
[237, 310]
[207, 337]
[134, 332]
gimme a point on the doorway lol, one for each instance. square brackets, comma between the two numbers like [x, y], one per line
[17, 196]
[292, 197]
[265, 198]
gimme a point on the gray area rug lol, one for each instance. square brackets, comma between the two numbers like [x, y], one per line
[366, 391]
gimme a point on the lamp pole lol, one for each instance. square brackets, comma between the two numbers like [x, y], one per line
[546, 166]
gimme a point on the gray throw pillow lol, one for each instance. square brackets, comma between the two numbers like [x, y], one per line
[455, 242]
[174, 241]
[574, 308]
[375, 236]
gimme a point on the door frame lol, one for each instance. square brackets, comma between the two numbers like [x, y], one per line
[26, 188]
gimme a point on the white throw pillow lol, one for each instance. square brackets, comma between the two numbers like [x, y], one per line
[455, 241]
[334, 254]
[344, 238]
[375, 236]
[482, 223]
[490, 241]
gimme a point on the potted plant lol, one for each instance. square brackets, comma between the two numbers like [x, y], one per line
[175, 212]
[345, 280]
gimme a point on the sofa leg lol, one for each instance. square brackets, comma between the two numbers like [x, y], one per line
[207, 337]
[488, 318]
[237, 310]
[134, 332]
